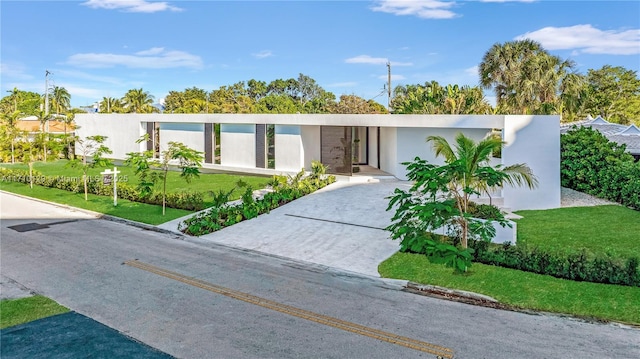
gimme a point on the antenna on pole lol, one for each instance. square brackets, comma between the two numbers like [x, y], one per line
[389, 86]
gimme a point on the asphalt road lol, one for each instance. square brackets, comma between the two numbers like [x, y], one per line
[194, 299]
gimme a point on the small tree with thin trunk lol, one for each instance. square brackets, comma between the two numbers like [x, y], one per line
[440, 198]
[90, 148]
[189, 161]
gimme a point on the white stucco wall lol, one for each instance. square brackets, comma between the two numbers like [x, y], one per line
[535, 141]
[122, 132]
[289, 152]
[190, 134]
[412, 142]
[310, 144]
[389, 150]
[238, 145]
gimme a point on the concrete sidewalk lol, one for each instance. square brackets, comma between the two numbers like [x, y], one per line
[340, 226]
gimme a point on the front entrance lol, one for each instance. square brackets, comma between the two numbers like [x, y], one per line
[336, 149]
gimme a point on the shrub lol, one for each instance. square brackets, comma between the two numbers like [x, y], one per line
[592, 164]
[285, 190]
[578, 266]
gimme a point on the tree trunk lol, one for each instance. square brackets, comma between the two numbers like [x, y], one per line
[84, 179]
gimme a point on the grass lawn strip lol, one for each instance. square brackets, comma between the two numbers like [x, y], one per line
[19, 311]
[205, 183]
[134, 211]
[608, 230]
[522, 289]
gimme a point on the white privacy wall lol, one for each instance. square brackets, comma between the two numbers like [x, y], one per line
[189, 134]
[389, 151]
[310, 136]
[288, 148]
[238, 145]
[122, 132]
[534, 140]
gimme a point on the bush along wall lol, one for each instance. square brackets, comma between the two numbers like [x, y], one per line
[191, 201]
[578, 266]
[284, 190]
[592, 164]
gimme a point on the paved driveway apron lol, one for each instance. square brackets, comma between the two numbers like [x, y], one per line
[341, 226]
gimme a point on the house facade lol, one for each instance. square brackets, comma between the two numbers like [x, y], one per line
[285, 143]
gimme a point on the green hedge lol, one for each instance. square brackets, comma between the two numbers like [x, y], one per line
[592, 164]
[191, 201]
[285, 190]
[578, 266]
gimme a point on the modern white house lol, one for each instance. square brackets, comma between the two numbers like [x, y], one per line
[286, 143]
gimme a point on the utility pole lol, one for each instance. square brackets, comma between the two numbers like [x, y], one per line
[46, 92]
[389, 86]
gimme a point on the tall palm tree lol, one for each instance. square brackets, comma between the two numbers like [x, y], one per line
[15, 96]
[524, 76]
[44, 117]
[473, 162]
[61, 99]
[110, 105]
[138, 101]
[11, 120]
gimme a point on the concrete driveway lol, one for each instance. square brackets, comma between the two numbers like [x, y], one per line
[340, 226]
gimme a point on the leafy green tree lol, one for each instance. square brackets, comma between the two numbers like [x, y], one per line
[352, 104]
[591, 163]
[138, 101]
[614, 94]
[92, 148]
[191, 100]
[432, 98]
[274, 103]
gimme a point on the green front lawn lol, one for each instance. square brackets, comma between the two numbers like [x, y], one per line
[140, 212]
[18, 311]
[523, 290]
[206, 183]
[608, 230]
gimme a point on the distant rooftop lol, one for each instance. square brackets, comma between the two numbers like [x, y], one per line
[622, 134]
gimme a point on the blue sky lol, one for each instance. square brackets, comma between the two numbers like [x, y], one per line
[101, 48]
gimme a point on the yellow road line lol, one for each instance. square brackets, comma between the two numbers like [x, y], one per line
[434, 349]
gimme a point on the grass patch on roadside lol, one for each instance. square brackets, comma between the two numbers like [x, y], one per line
[140, 212]
[608, 230]
[522, 289]
[19, 311]
[206, 183]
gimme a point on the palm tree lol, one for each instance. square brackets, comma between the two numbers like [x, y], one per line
[44, 119]
[11, 121]
[15, 96]
[524, 76]
[474, 173]
[61, 99]
[110, 105]
[138, 101]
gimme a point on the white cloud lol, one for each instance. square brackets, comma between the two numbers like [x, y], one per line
[587, 39]
[14, 71]
[154, 58]
[131, 5]
[262, 54]
[366, 59]
[472, 71]
[424, 9]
